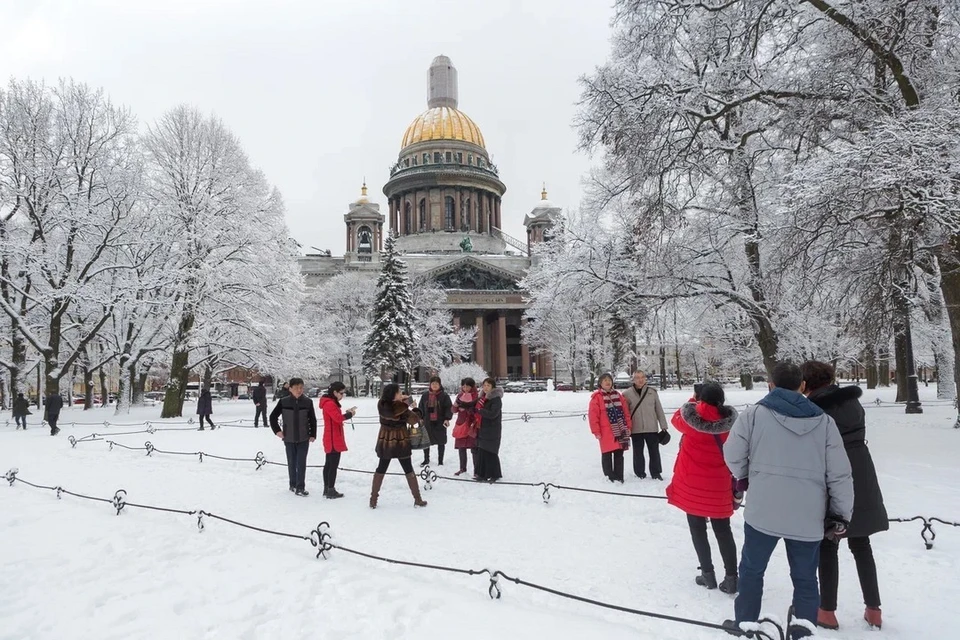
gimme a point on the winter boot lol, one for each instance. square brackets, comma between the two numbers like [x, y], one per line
[375, 489]
[827, 619]
[426, 458]
[873, 617]
[201, 428]
[729, 585]
[332, 493]
[415, 490]
[303, 493]
[707, 579]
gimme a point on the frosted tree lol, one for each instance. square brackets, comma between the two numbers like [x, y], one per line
[439, 343]
[343, 306]
[390, 345]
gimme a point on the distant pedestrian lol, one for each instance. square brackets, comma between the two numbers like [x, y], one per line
[490, 408]
[260, 402]
[610, 424]
[701, 484]
[334, 439]
[465, 428]
[205, 409]
[647, 420]
[21, 409]
[791, 454]
[298, 431]
[393, 441]
[52, 406]
[437, 410]
[282, 392]
[869, 513]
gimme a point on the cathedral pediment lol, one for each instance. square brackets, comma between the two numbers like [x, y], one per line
[471, 274]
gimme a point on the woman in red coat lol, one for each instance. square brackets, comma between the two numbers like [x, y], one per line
[610, 424]
[334, 442]
[702, 486]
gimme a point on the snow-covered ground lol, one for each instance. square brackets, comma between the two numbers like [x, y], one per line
[73, 569]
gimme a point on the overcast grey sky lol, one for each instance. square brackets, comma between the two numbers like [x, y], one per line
[320, 92]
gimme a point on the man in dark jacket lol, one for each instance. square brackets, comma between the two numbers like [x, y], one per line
[54, 403]
[260, 402]
[298, 431]
[21, 409]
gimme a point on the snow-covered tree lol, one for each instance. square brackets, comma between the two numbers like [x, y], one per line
[343, 307]
[439, 343]
[391, 342]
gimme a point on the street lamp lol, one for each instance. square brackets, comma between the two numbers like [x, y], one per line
[913, 388]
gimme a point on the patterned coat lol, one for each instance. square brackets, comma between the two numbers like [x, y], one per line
[393, 441]
[600, 423]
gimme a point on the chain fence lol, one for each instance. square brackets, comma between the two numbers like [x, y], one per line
[321, 539]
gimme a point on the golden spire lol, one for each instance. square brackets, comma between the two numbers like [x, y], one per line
[363, 189]
[543, 194]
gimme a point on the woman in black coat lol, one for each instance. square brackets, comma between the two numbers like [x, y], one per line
[490, 408]
[393, 441]
[437, 410]
[869, 514]
[205, 408]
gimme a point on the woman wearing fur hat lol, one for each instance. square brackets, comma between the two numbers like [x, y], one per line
[702, 486]
[393, 441]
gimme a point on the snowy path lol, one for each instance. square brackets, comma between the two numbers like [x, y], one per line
[73, 569]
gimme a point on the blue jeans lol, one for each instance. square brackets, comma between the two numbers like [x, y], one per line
[804, 558]
[297, 464]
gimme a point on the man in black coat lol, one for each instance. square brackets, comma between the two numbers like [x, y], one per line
[298, 431]
[260, 402]
[54, 403]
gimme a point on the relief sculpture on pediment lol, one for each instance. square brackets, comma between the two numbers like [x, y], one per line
[474, 279]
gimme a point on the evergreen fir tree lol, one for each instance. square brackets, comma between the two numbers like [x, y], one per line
[390, 343]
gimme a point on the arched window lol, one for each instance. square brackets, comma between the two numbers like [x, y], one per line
[407, 218]
[364, 243]
[423, 216]
[448, 207]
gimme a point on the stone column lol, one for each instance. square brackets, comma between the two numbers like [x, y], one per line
[496, 207]
[478, 345]
[349, 239]
[524, 352]
[547, 366]
[456, 325]
[501, 345]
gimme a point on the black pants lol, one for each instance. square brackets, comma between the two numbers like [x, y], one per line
[261, 411]
[331, 464]
[728, 546]
[830, 572]
[52, 421]
[653, 444]
[463, 459]
[612, 463]
[207, 416]
[441, 448]
[297, 463]
[405, 463]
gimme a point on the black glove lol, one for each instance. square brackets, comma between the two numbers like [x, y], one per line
[835, 529]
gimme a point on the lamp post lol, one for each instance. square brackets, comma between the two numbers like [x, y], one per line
[913, 388]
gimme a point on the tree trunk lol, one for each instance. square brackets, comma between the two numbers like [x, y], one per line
[87, 386]
[746, 379]
[884, 366]
[105, 393]
[207, 377]
[870, 366]
[663, 365]
[124, 387]
[179, 373]
[950, 286]
[140, 387]
[676, 352]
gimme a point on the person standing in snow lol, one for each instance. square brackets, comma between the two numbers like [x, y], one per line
[21, 409]
[437, 410]
[869, 513]
[701, 483]
[282, 392]
[52, 406]
[205, 409]
[791, 455]
[647, 420]
[334, 439]
[393, 441]
[490, 409]
[610, 425]
[260, 402]
[465, 429]
[299, 430]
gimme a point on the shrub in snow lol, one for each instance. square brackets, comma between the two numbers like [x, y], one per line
[454, 373]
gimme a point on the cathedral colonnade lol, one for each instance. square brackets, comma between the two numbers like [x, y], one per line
[498, 347]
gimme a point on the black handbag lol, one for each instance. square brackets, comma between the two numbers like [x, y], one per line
[419, 438]
[663, 437]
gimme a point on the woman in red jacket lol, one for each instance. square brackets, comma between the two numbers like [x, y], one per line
[701, 485]
[610, 424]
[334, 442]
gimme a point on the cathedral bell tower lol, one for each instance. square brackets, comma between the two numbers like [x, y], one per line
[364, 230]
[541, 220]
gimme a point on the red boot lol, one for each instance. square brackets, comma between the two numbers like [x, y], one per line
[827, 619]
[873, 617]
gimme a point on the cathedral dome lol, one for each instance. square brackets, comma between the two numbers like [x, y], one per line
[442, 123]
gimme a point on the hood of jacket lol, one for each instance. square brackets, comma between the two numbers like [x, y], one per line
[708, 419]
[833, 395]
[496, 392]
[792, 410]
[325, 400]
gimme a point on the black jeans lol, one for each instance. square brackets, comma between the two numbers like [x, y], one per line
[728, 546]
[52, 421]
[331, 464]
[207, 416]
[261, 411]
[463, 459]
[440, 450]
[652, 441]
[830, 572]
[405, 463]
[612, 464]
[297, 463]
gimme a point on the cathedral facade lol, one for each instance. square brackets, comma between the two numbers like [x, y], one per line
[444, 209]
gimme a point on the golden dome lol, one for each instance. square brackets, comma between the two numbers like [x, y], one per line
[442, 123]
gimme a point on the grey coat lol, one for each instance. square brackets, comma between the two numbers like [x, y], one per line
[797, 467]
[646, 416]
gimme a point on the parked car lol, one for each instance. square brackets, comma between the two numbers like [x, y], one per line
[564, 386]
[313, 392]
[533, 385]
[515, 387]
[243, 396]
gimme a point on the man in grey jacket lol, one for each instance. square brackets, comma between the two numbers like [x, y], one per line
[791, 456]
[648, 419]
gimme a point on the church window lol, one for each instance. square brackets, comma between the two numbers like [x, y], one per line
[436, 157]
[449, 156]
[407, 215]
[459, 158]
[423, 216]
[448, 206]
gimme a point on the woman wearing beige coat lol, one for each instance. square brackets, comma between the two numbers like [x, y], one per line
[648, 420]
